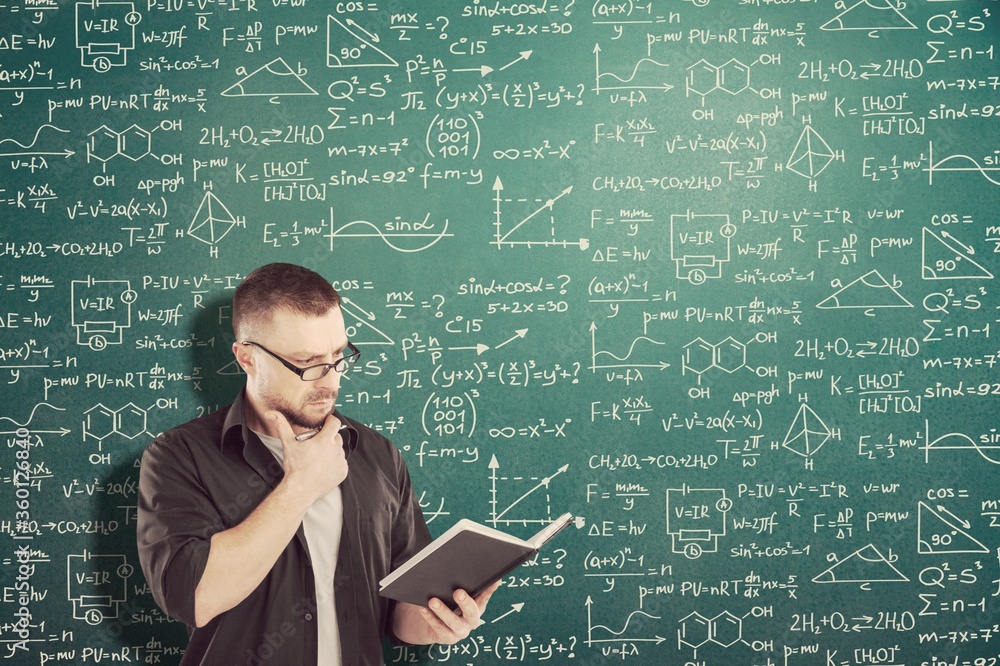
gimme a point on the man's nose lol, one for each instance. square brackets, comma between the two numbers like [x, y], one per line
[330, 380]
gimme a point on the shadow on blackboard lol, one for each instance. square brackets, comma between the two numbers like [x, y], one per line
[221, 378]
[128, 624]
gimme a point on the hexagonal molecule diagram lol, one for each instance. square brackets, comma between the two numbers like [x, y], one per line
[733, 77]
[101, 310]
[100, 422]
[700, 356]
[696, 518]
[725, 630]
[133, 143]
[97, 585]
[703, 77]
[104, 144]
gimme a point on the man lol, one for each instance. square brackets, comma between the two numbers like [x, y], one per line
[266, 526]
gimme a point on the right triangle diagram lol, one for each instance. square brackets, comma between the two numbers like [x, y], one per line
[947, 258]
[940, 531]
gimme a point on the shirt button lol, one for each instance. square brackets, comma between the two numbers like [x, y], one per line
[309, 616]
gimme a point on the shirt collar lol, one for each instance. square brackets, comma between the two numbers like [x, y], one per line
[236, 432]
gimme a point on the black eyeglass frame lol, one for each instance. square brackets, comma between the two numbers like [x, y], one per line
[341, 365]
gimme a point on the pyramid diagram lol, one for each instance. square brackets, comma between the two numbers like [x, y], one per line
[274, 79]
[869, 16]
[212, 221]
[869, 291]
[940, 531]
[865, 565]
[944, 257]
[811, 154]
[350, 45]
[807, 433]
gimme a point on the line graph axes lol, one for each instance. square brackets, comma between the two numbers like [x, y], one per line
[626, 83]
[618, 634]
[502, 239]
[935, 167]
[385, 236]
[496, 518]
[29, 151]
[30, 416]
[956, 441]
[594, 353]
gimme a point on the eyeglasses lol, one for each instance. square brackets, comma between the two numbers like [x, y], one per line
[314, 372]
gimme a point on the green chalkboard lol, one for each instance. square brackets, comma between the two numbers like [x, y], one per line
[715, 276]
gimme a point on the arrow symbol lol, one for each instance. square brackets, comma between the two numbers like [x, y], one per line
[371, 35]
[62, 432]
[524, 56]
[514, 608]
[65, 153]
[483, 69]
[590, 625]
[520, 333]
[964, 523]
[369, 315]
[969, 250]
[480, 348]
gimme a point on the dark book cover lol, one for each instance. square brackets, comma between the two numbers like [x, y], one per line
[468, 556]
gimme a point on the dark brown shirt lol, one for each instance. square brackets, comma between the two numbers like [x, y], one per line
[208, 475]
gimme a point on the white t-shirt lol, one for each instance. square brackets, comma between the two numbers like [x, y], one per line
[323, 524]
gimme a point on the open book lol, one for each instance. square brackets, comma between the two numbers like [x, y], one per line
[469, 556]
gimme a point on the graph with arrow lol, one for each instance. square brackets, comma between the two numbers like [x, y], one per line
[10, 147]
[605, 634]
[646, 75]
[532, 503]
[531, 216]
[15, 426]
[625, 361]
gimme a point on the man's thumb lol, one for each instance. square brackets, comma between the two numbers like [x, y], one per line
[279, 421]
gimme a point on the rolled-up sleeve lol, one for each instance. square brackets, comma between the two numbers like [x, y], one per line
[175, 523]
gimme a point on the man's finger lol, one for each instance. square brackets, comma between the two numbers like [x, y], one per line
[438, 628]
[280, 422]
[332, 422]
[451, 620]
[469, 607]
[484, 596]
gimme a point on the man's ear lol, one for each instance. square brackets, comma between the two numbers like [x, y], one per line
[243, 357]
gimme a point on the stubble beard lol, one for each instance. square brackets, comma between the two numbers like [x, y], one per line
[300, 417]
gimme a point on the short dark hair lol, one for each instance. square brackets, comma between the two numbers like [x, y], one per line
[280, 286]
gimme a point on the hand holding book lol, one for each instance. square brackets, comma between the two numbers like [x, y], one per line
[469, 557]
